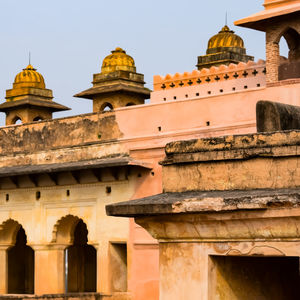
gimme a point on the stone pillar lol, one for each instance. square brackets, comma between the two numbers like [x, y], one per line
[3, 269]
[103, 267]
[272, 58]
[49, 275]
[183, 271]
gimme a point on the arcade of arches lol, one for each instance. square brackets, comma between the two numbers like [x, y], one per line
[80, 258]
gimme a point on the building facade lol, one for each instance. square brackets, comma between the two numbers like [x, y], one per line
[57, 175]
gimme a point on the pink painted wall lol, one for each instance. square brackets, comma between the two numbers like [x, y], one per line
[209, 82]
[227, 113]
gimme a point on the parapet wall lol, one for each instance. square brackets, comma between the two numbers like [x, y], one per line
[207, 82]
[213, 74]
[58, 133]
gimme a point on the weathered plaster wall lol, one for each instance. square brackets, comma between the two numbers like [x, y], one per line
[233, 163]
[157, 123]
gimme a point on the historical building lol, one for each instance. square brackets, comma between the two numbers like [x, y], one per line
[57, 175]
[227, 220]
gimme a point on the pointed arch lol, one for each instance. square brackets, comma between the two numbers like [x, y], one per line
[17, 120]
[289, 67]
[80, 257]
[81, 271]
[106, 107]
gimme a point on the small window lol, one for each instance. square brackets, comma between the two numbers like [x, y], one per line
[186, 95]
[174, 97]
[106, 107]
[36, 119]
[258, 85]
[208, 92]
[221, 90]
[17, 120]
[233, 88]
[197, 94]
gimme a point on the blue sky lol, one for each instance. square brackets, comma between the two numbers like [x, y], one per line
[69, 39]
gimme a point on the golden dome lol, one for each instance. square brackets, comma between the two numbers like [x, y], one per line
[225, 39]
[118, 60]
[29, 77]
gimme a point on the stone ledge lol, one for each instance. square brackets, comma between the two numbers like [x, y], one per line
[232, 147]
[201, 202]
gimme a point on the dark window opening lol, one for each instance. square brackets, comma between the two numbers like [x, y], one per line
[289, 62]
[17, 120]
[20, 266]
[81, 262]
[106, 107]
[36, 119]
[38, 195]
[235, 277]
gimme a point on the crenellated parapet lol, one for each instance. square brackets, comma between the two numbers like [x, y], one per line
[214, 74]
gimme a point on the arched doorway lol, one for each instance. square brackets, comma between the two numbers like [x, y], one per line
[81, 262]
[20, 263]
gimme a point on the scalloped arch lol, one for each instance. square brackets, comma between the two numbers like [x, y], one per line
[8, 231]
[63, 230]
